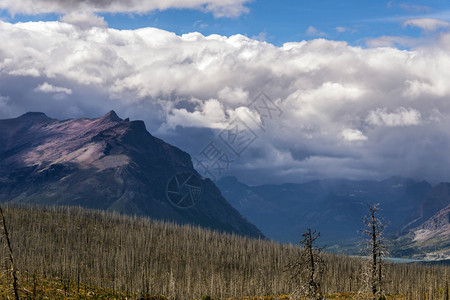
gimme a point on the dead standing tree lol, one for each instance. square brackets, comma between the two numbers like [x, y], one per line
[11, 257]
[374, 229]
[309, 267]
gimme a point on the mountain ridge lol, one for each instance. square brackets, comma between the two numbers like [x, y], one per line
[335, 207]
[430, 237]
[104, 163]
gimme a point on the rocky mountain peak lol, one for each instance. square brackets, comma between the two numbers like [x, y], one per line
[112, 116]
[104, 163]
[33, 117]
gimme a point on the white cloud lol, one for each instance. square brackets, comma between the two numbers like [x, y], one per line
[207, 114]
[347, 109]
[84, 20]
[353, 135]
[25, 72]
[220, 8]
[48, 88]
[427, 24]
[401, 117]
[234, 95]
[262, 36]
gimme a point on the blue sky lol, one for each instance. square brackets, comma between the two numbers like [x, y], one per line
[278, 22]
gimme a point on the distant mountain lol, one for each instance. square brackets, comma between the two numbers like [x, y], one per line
[335, 207]
[438, 224]
[436, 199]
[431, 238]
[111, 164]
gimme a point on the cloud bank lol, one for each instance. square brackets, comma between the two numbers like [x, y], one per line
[220, 8]
[347, 111]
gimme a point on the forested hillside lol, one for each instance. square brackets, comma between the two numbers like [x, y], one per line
[140, 257]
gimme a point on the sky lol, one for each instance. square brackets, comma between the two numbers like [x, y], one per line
[268, 91]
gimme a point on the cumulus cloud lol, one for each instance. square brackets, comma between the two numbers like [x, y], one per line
[401, 117]
[220, 8]
[234, 95]
[347, 111]
[262, 36]
[207, 114]
[353, 135]
[48, 88]
[84, 20]
[427, 24]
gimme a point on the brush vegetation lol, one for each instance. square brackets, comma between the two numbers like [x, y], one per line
[77, 253]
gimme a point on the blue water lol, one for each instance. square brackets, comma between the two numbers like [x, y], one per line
[402, 260]
[396, 259]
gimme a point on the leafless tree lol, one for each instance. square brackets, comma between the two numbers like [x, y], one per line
[374, 229]
[308, 268]
[11, 256]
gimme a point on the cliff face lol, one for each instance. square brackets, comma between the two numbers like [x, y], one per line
[107, 163]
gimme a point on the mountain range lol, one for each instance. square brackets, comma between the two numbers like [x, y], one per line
[115, 164]
[416, 213]
[111, 164]
[430, 239]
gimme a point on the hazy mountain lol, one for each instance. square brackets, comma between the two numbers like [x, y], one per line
[436, 199]
[335, 207]
[107, 163]
[431, 238]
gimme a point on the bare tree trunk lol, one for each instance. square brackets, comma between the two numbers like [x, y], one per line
[374, 230]
[374, 252]
[309, 244]
[11, 257]
[309, 265]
